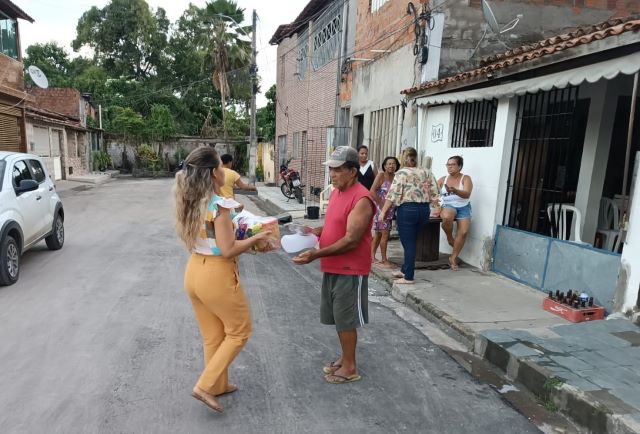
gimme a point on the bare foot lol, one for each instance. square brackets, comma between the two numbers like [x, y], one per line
[398, 274]
[453, 263]
[386, 264]
[207, 399]
[404, 281]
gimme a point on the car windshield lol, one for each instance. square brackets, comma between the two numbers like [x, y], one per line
[2, 164]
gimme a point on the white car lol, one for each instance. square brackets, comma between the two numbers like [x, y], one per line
[30, 211]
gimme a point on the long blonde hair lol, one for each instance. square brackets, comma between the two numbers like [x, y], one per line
[192, 191]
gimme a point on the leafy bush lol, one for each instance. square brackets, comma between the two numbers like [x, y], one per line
[102, 161]
[148, 158]
[259, 173]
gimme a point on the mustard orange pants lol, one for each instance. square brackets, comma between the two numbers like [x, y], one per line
[222, 312]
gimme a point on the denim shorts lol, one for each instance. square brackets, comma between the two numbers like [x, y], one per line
[462, 213]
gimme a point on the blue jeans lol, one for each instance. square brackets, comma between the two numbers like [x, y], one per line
[411, 217]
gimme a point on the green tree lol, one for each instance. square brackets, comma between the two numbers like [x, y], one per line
[266, 116]
[128, 38]
[127, 122]
[53, 60]
[160, 123]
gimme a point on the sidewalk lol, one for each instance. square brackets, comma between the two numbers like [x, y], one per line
[589, 371]
[277, 203]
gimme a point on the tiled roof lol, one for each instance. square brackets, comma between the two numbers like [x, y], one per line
[581, 36]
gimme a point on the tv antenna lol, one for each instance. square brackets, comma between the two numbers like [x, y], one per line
[492, 23]
[38, 76]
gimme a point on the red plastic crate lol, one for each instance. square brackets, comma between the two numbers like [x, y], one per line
[574, 315]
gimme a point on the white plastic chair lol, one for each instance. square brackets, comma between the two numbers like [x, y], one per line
[560, 219]
[324, 198]
[608, 223]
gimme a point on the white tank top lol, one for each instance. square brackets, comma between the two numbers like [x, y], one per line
[453, 199]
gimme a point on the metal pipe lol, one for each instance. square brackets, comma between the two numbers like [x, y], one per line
[625, 178]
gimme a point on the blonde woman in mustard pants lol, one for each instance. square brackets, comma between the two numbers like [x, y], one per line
[203, 222]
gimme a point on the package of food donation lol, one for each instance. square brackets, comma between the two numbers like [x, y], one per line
[247, 225]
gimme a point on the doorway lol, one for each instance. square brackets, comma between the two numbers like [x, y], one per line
[547, 154]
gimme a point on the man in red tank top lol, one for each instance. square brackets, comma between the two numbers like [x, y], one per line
[345, 260]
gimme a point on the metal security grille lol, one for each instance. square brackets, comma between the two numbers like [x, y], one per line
[547, 151]
[9, 133]
[473, 124]
[302, 55]
[326, 38]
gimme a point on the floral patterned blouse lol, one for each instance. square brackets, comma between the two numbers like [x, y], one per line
[413, 184]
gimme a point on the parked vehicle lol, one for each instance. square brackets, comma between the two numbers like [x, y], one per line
[30, 211]
[291, 186]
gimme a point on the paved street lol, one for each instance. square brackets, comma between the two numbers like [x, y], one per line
[100, 338]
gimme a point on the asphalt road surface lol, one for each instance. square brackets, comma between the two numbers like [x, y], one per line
[100, 338]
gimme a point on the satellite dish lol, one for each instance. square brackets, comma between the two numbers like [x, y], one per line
[492, 22]
[38, 76]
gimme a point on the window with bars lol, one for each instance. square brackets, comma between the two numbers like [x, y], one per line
[473, 124]
[377, 4]
[325, 39]
[302, 56]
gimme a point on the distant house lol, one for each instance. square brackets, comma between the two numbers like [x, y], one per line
[59, 130]
[12, 90]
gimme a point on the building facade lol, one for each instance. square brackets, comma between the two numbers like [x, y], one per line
[12, 90]
[543, 132]
[307, 86]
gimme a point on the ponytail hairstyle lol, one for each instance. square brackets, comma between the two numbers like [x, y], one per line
[192, 191]
[410, 157]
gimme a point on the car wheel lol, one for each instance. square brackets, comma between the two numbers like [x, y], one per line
[9, 261]
[56, 239]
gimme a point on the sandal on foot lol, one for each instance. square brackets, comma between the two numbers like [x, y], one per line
[330, 368]
[339, 379]
[398, 274]
[404, 281]
[230, 389]
[217, 408]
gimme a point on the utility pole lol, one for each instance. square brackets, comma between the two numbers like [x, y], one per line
[253, 145]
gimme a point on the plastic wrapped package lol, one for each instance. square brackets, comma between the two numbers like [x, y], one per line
[247, 224]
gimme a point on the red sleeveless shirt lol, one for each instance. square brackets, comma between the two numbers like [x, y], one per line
[358, 260]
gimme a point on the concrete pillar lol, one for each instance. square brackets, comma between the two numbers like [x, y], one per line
[595, 153]
[506, 117]
[631, 252]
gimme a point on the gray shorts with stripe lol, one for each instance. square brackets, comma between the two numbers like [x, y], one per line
[344, 301]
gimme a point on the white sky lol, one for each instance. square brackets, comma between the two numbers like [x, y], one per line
[55, 20]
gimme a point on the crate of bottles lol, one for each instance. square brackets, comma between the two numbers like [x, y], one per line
[572, 306]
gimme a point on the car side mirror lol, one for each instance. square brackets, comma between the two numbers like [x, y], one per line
[26, 185]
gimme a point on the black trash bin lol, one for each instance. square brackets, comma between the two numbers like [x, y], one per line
[313, 212]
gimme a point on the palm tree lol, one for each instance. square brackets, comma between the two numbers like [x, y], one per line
[228, 47]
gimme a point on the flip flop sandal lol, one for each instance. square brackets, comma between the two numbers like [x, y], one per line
[330, 368]
[339, 379]
[207, 403]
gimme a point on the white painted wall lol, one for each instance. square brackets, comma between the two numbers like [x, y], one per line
[631, 252]
[488, 168]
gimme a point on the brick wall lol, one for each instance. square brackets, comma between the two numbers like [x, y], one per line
[11, 73]
[304, 105]
[59, 100]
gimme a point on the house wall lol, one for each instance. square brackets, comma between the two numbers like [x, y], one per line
[59, 100]
[11, 76]
[307, 104]
[488, 168]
